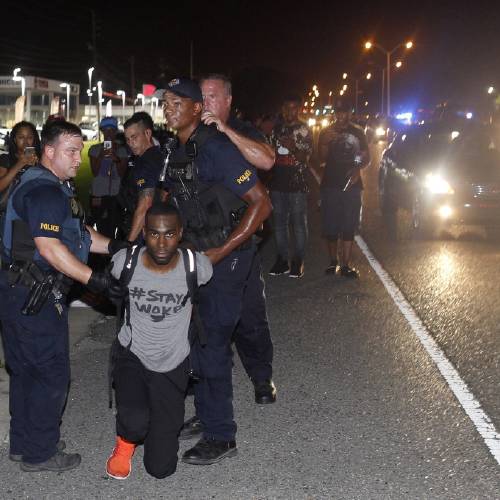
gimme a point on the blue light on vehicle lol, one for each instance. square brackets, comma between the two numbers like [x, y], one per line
[405, 117]
[469, 116]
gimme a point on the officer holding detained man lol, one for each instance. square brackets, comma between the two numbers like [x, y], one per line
[222, 204]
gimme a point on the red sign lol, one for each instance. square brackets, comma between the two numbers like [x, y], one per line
[148, 89]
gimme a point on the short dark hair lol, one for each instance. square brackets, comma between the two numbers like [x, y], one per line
[53, 130]
[219, 76]
[292, 98]
[142, 118]
[161, 208]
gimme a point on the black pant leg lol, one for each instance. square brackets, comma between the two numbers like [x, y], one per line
[252, 337]
[132, 401]
[166, 392]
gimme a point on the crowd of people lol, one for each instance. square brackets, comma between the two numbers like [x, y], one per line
[178, 220]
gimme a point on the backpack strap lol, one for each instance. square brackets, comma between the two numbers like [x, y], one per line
[122, 313]
[129, 266]
[198, 332]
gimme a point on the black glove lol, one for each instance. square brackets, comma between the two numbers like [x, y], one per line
[105, 283]
[115, 246]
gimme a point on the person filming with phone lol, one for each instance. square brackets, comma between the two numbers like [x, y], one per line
[108, 161]
[24, 151]
[343, 152]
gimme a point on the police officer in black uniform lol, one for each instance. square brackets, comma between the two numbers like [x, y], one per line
[148, 162]
[45, 246]
[252, 337]
[222, 204]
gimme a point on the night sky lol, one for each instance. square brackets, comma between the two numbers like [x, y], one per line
[270, 49]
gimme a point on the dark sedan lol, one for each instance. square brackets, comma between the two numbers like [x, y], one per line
[443, 174]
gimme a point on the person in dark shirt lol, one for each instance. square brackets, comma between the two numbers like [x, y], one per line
[252, 337]
[148, 163]
[343, 152]
[23, 135]
[288, 189]
[219, 165]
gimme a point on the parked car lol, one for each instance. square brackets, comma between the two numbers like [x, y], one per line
[443, 174]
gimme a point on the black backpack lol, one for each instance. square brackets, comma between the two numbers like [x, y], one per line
[196, 330]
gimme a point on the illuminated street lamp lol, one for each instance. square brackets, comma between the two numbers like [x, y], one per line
[142, 98]
[89, 91]
[67, 86]
[19, 79]
[344, 76]
[122, 93]
[154, 106]
[388, 54]
[399, 64]
[99, 106]
[491, 90]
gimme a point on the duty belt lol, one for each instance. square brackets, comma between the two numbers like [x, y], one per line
[29, 274]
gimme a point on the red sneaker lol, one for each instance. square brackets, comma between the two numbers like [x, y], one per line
[119, 464]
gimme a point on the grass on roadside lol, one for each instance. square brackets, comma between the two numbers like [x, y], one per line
[83, 180]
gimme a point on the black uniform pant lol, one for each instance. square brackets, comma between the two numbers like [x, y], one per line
[37, 357]
[220, 310]
[252, 337]
[150, 410]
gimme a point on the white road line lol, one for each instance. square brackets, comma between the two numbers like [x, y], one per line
[459, 388]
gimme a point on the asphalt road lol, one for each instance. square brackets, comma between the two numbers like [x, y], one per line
[362, 411]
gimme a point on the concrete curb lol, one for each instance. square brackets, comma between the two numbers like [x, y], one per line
[81, 320]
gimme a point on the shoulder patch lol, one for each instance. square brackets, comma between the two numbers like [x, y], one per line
[244, 177]
[49, 227]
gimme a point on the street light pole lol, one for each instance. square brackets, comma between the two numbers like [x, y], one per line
[122, 93]
[98, 108]
[21, 79]
[90, 71]
[388, 84]
[68, 89]
[388, 53]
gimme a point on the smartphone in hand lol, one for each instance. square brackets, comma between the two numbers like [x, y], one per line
[30, 155]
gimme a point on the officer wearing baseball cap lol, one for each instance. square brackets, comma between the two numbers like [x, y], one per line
[222, 203]
[182, 87]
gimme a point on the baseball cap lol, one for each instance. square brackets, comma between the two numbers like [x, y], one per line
[109, 122]
[183, 87]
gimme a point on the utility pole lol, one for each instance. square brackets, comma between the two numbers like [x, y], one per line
[132, 81]
[94, 39]
[191, 57]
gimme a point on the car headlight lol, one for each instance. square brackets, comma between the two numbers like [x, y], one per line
[311, 122]
[380, 131]
[325, 122]
[437, 185]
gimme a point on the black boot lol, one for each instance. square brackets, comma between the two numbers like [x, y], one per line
[191, 428]
[209, 451]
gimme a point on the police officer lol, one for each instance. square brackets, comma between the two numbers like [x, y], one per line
[148, 163]
[45, 245]
[222, 204]
[252, 337]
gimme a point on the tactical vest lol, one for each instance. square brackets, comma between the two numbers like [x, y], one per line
[209, 212]
[17, 242]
